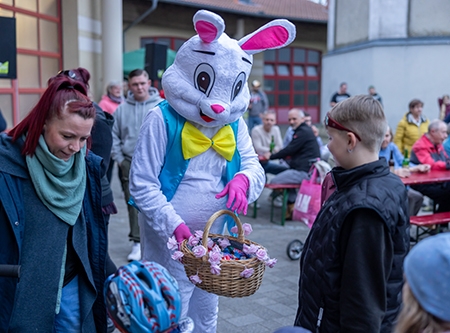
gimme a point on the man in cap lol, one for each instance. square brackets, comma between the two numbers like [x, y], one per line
[258, 105]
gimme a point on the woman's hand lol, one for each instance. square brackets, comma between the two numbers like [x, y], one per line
[423, 168]
[403, 172]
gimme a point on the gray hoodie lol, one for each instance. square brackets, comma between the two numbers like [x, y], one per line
[128, 120]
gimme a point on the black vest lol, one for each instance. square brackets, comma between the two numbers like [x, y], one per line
[369, 186]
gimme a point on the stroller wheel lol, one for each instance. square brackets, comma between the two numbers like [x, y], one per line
[294, 249]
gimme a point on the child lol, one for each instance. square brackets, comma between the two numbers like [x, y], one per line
[426, 293]
[351, 264]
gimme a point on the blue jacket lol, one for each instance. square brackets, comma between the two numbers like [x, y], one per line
[15, 189]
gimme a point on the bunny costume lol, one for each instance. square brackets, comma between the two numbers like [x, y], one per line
[206, 88]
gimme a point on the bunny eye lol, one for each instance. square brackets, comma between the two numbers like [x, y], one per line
[204, 78]
[237, 86]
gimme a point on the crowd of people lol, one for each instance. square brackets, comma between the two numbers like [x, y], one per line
[56, 173]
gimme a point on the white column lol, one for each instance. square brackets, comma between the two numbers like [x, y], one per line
[112, 41]
[240, 29]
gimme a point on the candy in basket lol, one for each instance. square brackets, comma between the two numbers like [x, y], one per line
[221, 264]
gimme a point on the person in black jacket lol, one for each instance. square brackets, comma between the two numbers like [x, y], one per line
[3, 124]
[351, 273]
[299, 154]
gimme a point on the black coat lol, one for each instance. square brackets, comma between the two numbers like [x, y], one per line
[351, 266]
[101, 142]
[301, 150]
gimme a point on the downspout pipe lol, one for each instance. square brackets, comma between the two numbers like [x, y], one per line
[138, 20]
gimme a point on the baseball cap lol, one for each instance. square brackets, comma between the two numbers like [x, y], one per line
[256, 83]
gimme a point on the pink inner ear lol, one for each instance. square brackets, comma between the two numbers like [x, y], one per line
[207, 31]
[266, 39]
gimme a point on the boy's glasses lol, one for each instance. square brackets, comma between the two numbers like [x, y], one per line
[333, 123]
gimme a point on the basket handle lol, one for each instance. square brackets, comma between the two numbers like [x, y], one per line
[214, 217]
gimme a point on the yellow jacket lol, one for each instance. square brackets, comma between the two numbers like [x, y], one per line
[408, 132]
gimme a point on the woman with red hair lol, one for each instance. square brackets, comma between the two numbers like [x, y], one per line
[52, 231]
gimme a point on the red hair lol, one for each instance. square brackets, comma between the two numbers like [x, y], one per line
[61, 92]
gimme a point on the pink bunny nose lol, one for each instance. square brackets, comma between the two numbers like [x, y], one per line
[217, 108]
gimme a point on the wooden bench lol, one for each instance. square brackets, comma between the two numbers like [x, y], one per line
[284, 188]
[427, 223]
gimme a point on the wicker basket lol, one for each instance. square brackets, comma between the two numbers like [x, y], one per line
[228, 283]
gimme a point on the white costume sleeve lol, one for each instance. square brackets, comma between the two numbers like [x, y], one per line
[145, 186]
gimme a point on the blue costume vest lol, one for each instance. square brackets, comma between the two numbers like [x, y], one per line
[172, 173]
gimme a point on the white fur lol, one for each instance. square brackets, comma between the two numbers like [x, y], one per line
[213, 56]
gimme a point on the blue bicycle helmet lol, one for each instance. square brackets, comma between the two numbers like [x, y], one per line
[143, 297]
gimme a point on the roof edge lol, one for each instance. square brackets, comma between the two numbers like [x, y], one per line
[260, 15]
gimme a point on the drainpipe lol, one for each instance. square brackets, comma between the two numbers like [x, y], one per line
[138, 20]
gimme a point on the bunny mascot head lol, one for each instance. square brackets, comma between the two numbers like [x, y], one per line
[194, 155]
[207, 83]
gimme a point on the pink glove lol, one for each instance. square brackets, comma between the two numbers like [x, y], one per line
[182, 232]
[237, 192]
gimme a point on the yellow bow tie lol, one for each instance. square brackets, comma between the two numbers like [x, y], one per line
[194, 142]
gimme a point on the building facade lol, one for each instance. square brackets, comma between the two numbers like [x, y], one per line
[399, 46]
[60, 34]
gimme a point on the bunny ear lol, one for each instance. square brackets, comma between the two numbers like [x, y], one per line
[208, 25]
[273, 35]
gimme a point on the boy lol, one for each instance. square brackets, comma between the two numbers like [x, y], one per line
[351, 266]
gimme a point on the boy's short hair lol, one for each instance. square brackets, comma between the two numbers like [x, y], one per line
[363, 115]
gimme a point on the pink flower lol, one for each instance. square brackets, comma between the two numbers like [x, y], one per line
[193, 241]
[172, 243]
[261, 254]
[210, 243]
[198, 234]
[216, 248]
[215, 269]
[271, 262]
[234, 229]
[195, 279]
[250, 249]
[224, 242]
[199, 251]
[177, 255]
[247, 229]
[246, 273]
[214, 257]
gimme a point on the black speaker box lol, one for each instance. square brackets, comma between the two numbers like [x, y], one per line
[8, 49]
[155, 60]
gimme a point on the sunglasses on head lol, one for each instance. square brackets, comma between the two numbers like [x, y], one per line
[330, 122]
[68, 73]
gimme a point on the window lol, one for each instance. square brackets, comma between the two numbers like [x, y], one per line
[292, 79]
[39, 54]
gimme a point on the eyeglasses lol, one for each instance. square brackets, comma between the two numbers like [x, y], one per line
[333, 123]
[68, 73]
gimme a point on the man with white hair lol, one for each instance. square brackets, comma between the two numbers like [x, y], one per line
[430, 150]
[258, 105]
[300, 153]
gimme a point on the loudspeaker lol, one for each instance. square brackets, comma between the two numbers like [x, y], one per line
[155, 60]
[8, 49]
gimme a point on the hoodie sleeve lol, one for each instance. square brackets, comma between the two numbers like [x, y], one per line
[116, 148]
